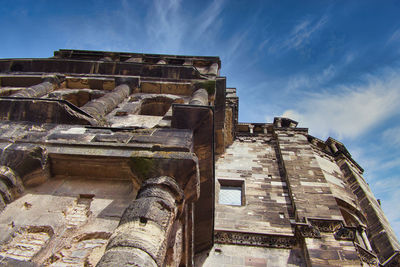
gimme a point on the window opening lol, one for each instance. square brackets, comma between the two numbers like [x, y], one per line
[231, 192]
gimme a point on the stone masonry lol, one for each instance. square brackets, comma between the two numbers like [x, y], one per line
[125, 159]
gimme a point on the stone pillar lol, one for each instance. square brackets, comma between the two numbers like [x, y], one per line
[142, 236]
[39, 90]
[265, 129]
[213, 69]
[278, 122]
[10, 186]
[105, 104]
[199, 97]
[314, 142]
[334, 148]
[188, 232]
[365, 238]
[251, 128]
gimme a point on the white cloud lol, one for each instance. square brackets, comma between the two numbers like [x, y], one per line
[349, 111]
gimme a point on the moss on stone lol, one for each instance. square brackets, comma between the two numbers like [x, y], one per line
[208, 85]
[142, 167]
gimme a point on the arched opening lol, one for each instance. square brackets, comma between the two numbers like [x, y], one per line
[77, 97]
[155, 106]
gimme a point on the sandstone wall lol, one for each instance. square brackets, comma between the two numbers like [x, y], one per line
[267, 206]
[64, 221]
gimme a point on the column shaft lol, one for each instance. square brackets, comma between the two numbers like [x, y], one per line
[105, 104]
[38, 90]
[141, 239]
[365, 239]
[199, 97]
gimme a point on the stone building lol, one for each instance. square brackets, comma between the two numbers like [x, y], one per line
[123, 159]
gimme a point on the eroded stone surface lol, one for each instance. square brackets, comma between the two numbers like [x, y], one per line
[25, 243]
[120, 159]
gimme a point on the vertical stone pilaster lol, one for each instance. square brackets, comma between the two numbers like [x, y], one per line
[141, 239]
[379, 234]
[188, 232]
[310, 192]
[314, 202]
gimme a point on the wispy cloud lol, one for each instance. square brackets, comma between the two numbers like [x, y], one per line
[392, 136]
[164, 25]
[263, 44]
[389, 189]
[303, 31]
[208, 18]
[394, 37]
[300, 35]
[349, 110]
[233, 46]
[159, 26]
[307, 81]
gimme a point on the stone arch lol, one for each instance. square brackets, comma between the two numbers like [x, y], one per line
[352, 213]
[155, 106]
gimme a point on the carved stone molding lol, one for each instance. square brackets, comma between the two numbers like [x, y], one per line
[393, 261]
[261, 240]
[368, 257]
[307, 230]
[346, 233]
[327, 226]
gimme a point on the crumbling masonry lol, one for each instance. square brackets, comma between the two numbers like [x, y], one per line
[123, 159]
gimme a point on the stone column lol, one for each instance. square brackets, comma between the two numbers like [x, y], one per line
[365, 238]
[105, 104]
[334, 148]
[265, 129]
[142, 236]
[10, 186]
[213, 69]
[39, 90]
[251, 128]
[199, 97]
[278, 122]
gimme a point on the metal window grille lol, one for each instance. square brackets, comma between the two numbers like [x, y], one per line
[230, 195]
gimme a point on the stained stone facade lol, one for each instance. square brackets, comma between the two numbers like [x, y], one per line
[123, 159]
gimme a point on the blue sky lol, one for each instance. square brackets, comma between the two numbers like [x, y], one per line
[332, 65]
